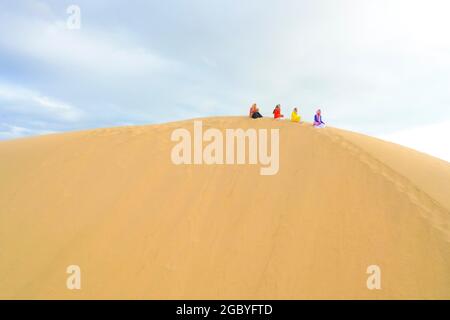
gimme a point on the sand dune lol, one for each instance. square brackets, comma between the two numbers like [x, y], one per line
[112, 202]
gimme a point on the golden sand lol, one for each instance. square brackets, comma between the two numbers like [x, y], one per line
[112, 202]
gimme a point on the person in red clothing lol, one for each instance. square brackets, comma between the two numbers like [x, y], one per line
[277, 112]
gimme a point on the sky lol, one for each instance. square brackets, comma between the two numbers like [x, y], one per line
[377, 67]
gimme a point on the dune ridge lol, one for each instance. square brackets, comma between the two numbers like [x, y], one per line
[111, 201]
[433, 211]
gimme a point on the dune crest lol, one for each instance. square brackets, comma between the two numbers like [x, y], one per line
[112, 202]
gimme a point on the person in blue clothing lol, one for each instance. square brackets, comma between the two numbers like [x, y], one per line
[318, 123]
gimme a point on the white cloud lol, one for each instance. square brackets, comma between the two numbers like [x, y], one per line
[11, 132]
[86, 50]
[18, 100]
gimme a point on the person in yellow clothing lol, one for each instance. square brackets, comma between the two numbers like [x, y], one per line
[295, 117]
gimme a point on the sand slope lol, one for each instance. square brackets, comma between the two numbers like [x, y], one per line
[112, 202]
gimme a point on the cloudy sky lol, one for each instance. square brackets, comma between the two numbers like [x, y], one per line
[378, 67]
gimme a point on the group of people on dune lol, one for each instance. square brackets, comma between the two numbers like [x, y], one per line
[295, 116]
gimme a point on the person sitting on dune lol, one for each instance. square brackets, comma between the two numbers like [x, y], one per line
[318, 123]
[277, 112]
[254, 112]
[295, 117]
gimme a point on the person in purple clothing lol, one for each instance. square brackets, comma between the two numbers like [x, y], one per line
[318, 123]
